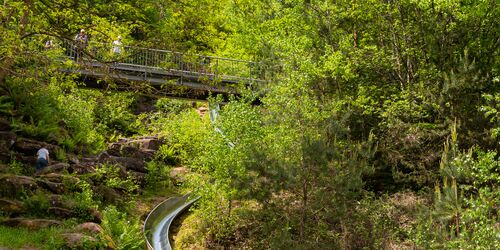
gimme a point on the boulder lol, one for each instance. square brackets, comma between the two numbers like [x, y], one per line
[3, 168]
[143, 147]
[56, 188]
[4, 155]
[60, 178]
[30, 147]
[73, 158]
[138, 176]
[151, 143]
[55, 168]
[7, 139]
[14, 185]
[29, 223]
[61, 212]
[11, 206]
[57, 200]
[79, 241]
[96, 215]
[140, 153]
[82, 168]
[128, 162]
[4, 125]
[108, 194]
[89, 227]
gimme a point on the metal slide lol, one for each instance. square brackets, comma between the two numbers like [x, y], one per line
[156, 225]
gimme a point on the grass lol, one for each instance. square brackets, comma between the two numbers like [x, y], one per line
[15, 238]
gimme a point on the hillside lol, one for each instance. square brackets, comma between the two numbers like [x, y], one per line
[374, 124]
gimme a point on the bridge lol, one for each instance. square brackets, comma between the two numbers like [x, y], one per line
[159, 72]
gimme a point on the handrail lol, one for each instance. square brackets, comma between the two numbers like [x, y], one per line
[164, 60]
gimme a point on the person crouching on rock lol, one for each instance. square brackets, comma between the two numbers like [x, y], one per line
[42, 159]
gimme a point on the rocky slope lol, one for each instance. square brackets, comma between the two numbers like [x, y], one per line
[48, 198]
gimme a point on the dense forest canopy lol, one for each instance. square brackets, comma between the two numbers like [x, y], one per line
[379, 127]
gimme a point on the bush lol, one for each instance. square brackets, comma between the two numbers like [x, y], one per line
[121, 231]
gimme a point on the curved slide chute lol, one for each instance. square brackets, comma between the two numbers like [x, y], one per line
[157, 224]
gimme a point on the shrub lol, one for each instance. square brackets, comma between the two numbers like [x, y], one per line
[122, 231]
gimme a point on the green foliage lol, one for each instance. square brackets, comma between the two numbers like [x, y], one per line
[171, 106]
[110, 175]
[84, 200]
[45, 238]
[17, 168]
[463, 214]
[6, 105]
[60, 155]
[125, 231]
[492, 111]
[113, 113]
[183, 134]
[158, 174]
[38, 204]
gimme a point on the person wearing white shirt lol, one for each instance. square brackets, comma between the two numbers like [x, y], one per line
[42, 159]
[117, 46]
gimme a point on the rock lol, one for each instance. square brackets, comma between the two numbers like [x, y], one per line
[55, 168]
[7, 139]
[89, 227]
[60, 178]
[4, 125]
[4, 155]
[27, 146]
[178, 174]
[104, 156]
[97, 216]
[146, 143]
[82, 168]
[11, 206]
[30, 147]
[29, 223]
[138, 176]
[79, 241]
[61, 212]
[143, 147]
[144, 154]
[3, 168]
[128, 162]
[108, 194]
[14, 185]
[73, 158]
[56, 188]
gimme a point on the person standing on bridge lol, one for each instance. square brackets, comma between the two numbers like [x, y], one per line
[81, 41]
[116, 47]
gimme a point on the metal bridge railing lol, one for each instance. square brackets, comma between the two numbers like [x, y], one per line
[215, 68]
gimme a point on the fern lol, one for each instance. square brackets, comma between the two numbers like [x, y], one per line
[6, 105]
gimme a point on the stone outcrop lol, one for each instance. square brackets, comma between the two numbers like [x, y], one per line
[11, 206]
[29, 223]
[56, 188]
[4, 125]
[89, 227]
[141, 148]
[79, 241]
[7, 140]
[30, 147]
[61, 212]
[55, 168]
[15, 185]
